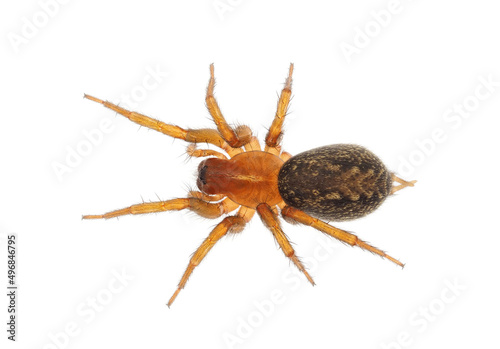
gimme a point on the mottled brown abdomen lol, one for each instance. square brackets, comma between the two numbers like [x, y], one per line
[336, 182]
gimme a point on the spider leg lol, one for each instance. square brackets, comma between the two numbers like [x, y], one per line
[190, 135]
[270, 219]
[402, 183]
[273, 137]
[231, 224]
[273, 150]
[205, 197]
[298, 216]
[285, 156]
[200, 153]
[253, 145]
[234, 139]
[202, 208]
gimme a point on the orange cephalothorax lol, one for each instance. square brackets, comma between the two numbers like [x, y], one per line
[248, 179]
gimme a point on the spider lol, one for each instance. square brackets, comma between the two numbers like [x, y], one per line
[333, 183]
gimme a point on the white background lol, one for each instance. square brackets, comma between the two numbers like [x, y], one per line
[391, 95]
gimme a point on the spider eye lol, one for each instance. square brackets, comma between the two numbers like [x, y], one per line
[202, 175]
[208, 176]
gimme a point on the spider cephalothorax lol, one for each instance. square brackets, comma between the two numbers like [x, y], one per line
[336, 182]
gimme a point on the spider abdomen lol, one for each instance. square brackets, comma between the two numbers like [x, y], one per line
[336, 182]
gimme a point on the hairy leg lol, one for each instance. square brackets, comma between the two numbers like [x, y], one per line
[231, 224]
[274, 135]
[270, 219]
[234, 139]
[202, 208]
[285, 156]
[351, 239]
[205, 197]
[253, 145]
[200, 153]
[190, 135]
